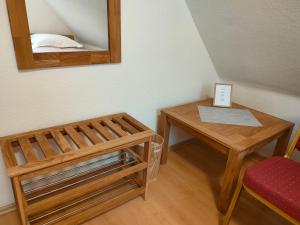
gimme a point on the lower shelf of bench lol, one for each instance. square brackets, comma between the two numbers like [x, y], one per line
[91, 205]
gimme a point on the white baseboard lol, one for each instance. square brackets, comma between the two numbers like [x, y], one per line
[8, 208]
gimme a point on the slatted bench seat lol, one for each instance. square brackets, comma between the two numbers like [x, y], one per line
[70, 173]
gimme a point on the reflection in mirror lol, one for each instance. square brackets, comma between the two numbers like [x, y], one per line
[68, 25]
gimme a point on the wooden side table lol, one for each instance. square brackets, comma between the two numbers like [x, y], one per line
[234, 141]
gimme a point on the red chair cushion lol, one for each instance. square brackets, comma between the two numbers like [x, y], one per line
[278, 181]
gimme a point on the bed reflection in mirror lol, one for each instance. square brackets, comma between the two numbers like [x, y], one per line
[68, 25]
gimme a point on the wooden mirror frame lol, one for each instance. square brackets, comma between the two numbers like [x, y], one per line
[26, 59]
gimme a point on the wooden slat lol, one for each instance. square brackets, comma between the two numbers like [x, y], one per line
[27, 149]
[71, 158]
[102, 130]
[115, 128]
[135, 123]
[125, 125]
[75, 137]
[90, 134]
[61, 141]
[45, 145]
[14, 137]
[8, 155]
[79, 191]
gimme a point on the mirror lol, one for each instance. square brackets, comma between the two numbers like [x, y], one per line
[71, 25]
[50, 33]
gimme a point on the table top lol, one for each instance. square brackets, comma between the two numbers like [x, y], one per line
[235, 137]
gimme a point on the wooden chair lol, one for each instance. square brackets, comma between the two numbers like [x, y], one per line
[274, 182]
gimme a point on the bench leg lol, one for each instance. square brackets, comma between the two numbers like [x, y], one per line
[20, 201]
[147, 157]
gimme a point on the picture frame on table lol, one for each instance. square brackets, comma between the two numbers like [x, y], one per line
[223, 95]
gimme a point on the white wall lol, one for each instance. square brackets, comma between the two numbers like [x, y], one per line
[42, 18]
[164, 63]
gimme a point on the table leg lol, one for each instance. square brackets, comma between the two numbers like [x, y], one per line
[165, 133]
[232, 171]
[282, 143]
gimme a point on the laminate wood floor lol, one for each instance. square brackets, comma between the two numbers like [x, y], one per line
[185, 193]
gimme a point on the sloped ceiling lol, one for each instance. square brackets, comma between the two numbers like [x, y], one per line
[37, 9]
[87, 19]
[253, 41]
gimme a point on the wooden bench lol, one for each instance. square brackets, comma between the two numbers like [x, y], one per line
[68, 174]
